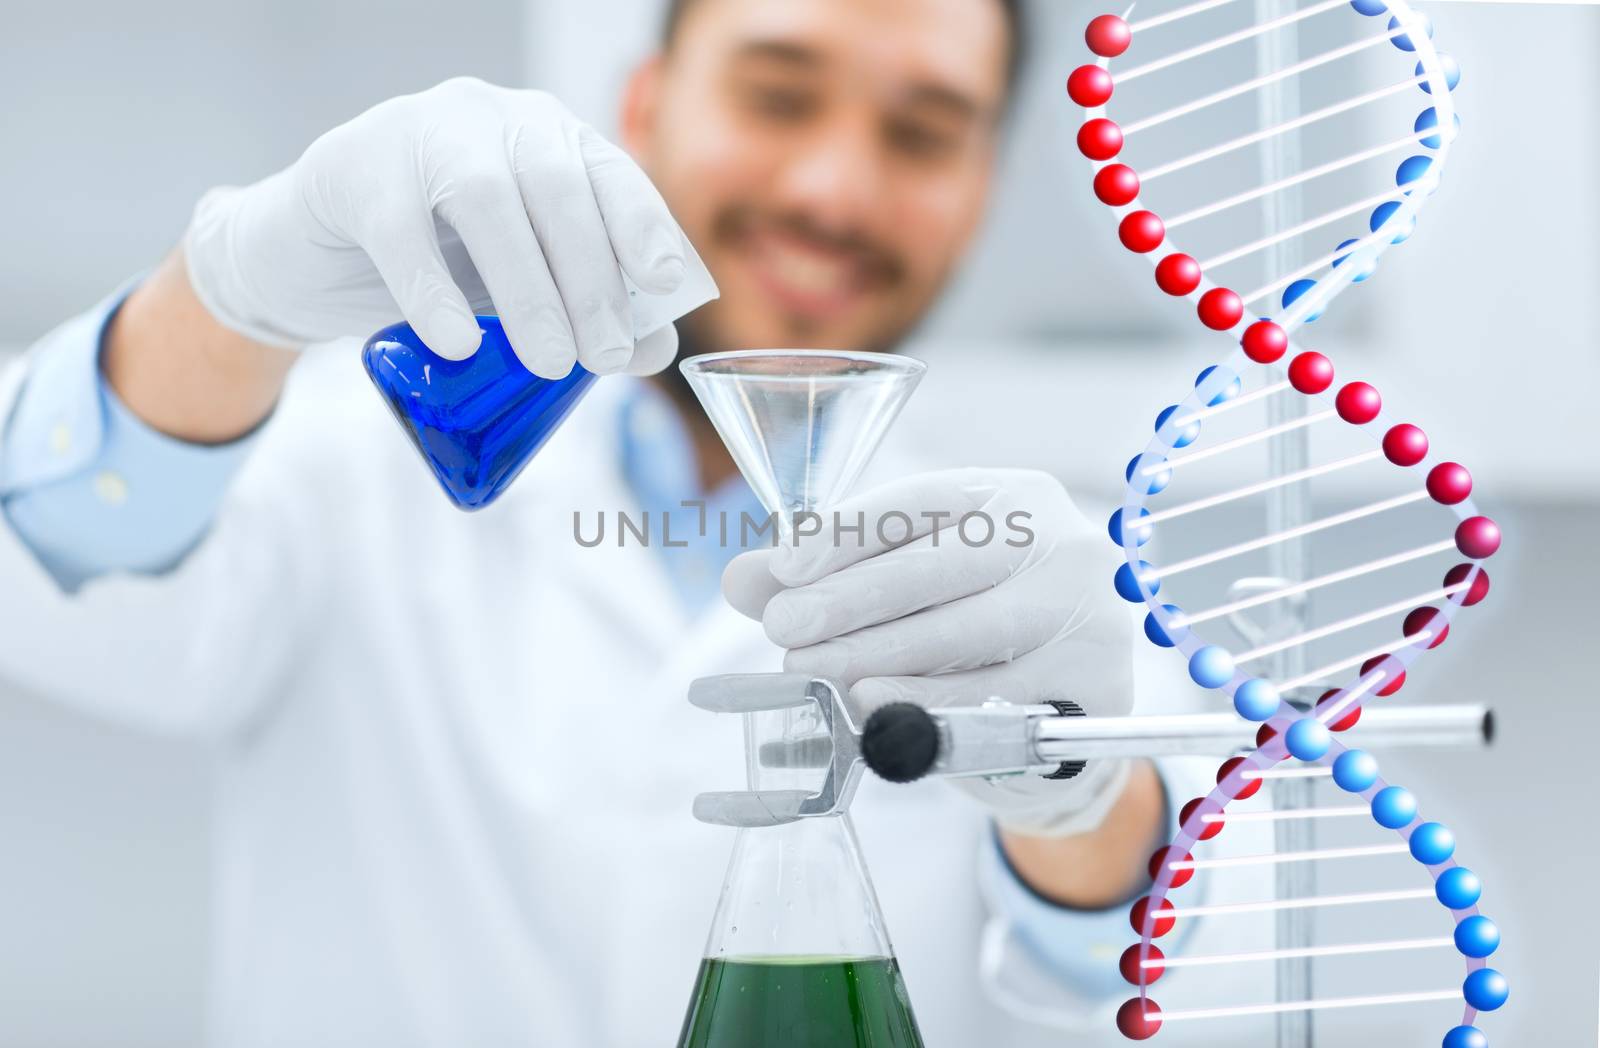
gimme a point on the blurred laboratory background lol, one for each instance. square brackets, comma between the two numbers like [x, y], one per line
[1486, 327]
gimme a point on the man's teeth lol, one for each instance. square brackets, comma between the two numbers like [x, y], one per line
[808, 274]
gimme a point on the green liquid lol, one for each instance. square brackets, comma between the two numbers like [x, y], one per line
[800, 1002]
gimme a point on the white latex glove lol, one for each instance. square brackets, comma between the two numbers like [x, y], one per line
[429, 204]
[938, 621]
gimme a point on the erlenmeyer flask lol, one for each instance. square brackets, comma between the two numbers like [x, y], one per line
[798, 955]
[476, 422]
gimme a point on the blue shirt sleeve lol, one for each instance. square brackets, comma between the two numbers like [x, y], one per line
[1079, 947]
[86, 485]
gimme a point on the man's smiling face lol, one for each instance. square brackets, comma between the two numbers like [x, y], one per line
[829, 158]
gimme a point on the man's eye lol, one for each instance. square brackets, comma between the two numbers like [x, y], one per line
[920, 140]
[782, 103]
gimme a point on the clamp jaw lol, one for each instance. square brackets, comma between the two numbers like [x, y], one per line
[839, 753]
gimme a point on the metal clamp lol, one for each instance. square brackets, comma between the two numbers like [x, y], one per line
[760, 692]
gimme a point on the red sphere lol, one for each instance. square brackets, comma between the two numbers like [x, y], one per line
[1089, 86]
[1139, 1019]
[1211, 828]
[1310, 372]
[1264, 735]
[1177, 274]
[1449, 483]
[1251, 786]
[1420, 619]
[1477, 537]
[1392, 681]
[1265, 342]
[1116, 184]
[1473, 593]
[1136, 973]
[1351, 716]
[1220, 309]
[1358, 403]
[1405, 445]
[1099, 139]
[1160, 925]
[1161, 858]
[1108, 36]
[1141, 231]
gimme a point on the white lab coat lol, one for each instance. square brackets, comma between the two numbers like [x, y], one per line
[454, 762]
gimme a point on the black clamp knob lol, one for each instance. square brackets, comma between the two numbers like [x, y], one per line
[900, 742]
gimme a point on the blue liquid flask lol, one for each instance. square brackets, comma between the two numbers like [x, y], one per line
[477, 422]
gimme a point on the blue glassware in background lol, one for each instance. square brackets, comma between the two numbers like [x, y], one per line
[477, 422]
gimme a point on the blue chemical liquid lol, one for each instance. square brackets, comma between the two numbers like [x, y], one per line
[476, 422]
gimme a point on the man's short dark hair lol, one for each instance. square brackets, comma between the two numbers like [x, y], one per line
[1012, 9]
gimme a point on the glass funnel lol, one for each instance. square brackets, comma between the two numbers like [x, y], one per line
[801, 425]
[798, 955]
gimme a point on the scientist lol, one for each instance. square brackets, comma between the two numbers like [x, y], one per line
[453, 757]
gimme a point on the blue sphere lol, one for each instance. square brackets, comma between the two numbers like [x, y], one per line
[1465, 1037]
[1477, 936]
[1211, 666]
[1404, 41]
[1369, 7]
[1370, 267]
[1141, 533]
[1355, 770]
[1458, 888]
[1432, 843]
[1228, 391]
[1485, 989]
[1256, 699]
[1429, 118]
[1394, 807]
[1159, 636]
[1383, 212]
[1447, 65]
[1178, 438]
[1149, 483]
[1308, 738]
[1128, 584]
[1294, 291]
[1411, 169]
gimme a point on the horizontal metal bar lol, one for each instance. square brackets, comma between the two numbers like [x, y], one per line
[1085, 738]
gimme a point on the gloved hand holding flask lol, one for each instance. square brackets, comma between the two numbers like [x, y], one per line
[431, 205]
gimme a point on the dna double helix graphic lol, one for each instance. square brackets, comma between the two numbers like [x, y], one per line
[1373, 91]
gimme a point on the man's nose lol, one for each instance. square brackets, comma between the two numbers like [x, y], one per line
[835, 176]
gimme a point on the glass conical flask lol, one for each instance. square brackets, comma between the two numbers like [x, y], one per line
[798, 955]
[476, 422]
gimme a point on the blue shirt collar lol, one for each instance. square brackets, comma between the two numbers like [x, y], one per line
[660, 468]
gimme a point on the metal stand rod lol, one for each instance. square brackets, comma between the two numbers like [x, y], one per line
[1219, 734]
[1286, 508]
[903, 742]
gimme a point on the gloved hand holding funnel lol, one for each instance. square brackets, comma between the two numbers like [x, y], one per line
[994, 590]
